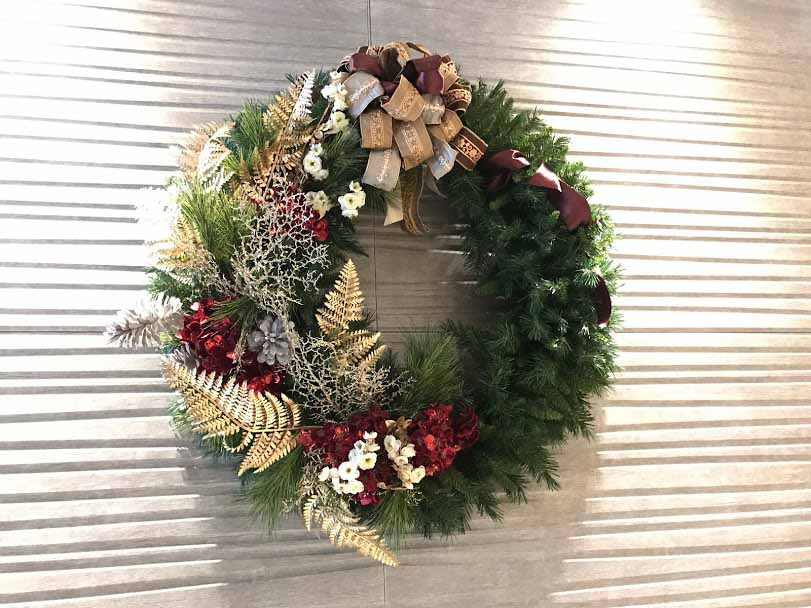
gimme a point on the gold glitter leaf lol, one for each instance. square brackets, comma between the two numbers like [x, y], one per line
[220, 407]
[343, 529]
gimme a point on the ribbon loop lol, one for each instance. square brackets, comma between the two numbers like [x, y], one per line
[458, 97]
[470, 147]
[382, 169]
[442, 161]
[363, 62]
[544, 177]
[508, 159]
[362, 89]
[573, 207]
[406, 104]
[449, 74]
[413, 142]
[433, 110]
[376, 130]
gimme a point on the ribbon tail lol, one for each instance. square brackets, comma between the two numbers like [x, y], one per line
[411, 185]
[602, 302]
[430, 182]
[394, 206]
[573, 206]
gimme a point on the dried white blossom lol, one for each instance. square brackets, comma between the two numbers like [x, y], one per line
[157, 212]
[348, 471]
[352, 200]
[320, 202]
[312, 164]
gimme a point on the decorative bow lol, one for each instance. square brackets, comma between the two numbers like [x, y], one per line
[409, 112]
[573, 207]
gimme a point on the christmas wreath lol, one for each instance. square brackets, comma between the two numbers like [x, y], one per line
[256, 303]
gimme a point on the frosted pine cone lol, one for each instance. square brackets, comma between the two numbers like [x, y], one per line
[271, 342]
[142, 326]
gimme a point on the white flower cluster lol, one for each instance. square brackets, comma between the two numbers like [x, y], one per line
[319, 201]
[313, 164]
[352, 200]
[336, 92]
[344, 478]
[399, 455]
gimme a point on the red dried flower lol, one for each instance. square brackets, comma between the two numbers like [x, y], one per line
[438, 437]
[214, 342]
[335, 440]
[318, 226]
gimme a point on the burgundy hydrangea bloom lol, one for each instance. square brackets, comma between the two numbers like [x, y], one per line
[318, 226]
[336, 439]
[214, 342]
[438, 437]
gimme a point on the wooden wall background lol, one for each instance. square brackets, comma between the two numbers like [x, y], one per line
[694, 118]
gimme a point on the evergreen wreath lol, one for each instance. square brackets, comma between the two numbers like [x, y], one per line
[258, 310]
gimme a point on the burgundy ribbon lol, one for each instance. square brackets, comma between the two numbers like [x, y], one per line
[602, 302]
[499, 169]
[423, 72]
[573, 207]
[362, 62]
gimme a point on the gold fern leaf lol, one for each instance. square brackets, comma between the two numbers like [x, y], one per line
[308, 511]
[288, 119]
[279, 112]
[342, 305]
[194, 144]
[372, 357]
[354, 346]
[269, 446]
[291, 106]
[204, 152]
[220, 407]
[343, 529]
[212, 157]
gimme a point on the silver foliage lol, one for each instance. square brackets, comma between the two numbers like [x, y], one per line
[280, 258]
[333, 392]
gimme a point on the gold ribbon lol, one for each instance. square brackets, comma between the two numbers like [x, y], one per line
[404, 125]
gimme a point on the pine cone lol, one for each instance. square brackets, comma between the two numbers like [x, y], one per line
[142, 326]
[271, 342]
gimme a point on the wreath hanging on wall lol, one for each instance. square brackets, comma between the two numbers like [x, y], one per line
[257, 307]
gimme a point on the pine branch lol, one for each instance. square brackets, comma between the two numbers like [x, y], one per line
[432, 364]
[273, 493]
